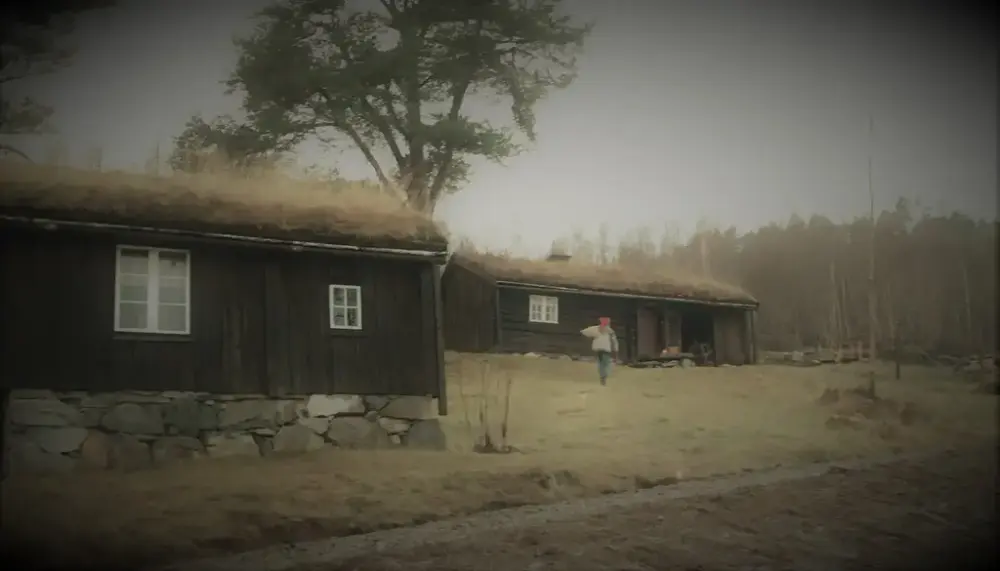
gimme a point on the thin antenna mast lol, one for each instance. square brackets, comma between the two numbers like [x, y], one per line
[872, 292]
[872, 287]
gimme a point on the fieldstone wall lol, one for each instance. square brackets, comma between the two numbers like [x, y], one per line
[48, 431]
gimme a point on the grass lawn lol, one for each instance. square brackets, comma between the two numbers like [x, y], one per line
[572, 438]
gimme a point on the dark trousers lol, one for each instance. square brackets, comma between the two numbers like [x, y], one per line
[603, 365]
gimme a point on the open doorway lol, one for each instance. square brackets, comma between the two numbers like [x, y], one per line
[697, 330]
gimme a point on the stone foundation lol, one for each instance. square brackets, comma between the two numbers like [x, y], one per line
[48, 431]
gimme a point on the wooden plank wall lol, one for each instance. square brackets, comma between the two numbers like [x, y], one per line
[576, 311]
[260, 322]
[730, 331]
[469, 310]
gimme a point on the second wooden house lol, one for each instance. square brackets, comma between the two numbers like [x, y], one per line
[504, 305]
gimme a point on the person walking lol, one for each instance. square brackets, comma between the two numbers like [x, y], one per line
[604, 345]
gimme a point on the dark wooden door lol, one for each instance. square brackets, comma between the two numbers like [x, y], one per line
[648, 329]
[728, 338]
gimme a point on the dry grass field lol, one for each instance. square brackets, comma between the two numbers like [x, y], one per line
[570, 438]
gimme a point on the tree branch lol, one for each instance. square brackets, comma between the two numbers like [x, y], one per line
[9, 149]
[389, 7]
[458, 98]
[390, 110]
[413, 44]
[384, 128]
[365, 149]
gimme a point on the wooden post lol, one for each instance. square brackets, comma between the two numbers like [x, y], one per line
[844, 318]
[439, 341]
[746, 338]
[896, 350]
[4, 455]
[497, 324]
[836, 316]
[969, 341]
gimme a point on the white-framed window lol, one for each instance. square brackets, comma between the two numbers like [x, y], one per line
[543, 309]
[152, 290]
[345, 307]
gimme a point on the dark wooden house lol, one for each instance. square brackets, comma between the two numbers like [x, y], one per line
[126, 282]
[495, 304]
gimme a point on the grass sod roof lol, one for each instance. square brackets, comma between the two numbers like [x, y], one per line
[611, 278]
[270, 205]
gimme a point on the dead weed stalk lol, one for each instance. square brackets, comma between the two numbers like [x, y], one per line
[494, 391]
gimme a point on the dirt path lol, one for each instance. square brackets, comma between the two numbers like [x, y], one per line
[801, 518]
[902, 516]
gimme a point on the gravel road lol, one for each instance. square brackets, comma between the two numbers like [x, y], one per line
[858, 515]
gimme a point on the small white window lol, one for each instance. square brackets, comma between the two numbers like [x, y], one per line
[345, 307]
[543, 309]
[152, 291]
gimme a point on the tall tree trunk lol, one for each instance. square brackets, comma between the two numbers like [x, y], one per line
[836, 336]
[970, 341]
[705, 267]
[892, 326]
[845, 317]
[890, 313]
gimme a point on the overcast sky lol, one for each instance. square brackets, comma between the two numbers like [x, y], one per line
[734, 111]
